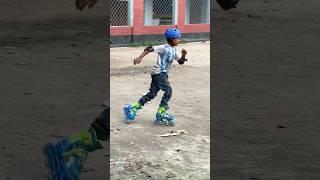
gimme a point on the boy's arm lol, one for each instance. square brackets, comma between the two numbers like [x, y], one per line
[146, 51]
[183, 57]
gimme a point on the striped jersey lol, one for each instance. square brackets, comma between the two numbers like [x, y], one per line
[166, 55]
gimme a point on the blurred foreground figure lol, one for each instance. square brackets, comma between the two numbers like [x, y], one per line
[81, 4]
[227, 4]
[65, 158]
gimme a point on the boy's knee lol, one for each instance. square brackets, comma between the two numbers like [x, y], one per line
[152, 95]
[168, 89]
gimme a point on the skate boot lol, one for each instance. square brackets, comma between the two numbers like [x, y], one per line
[66, 157]
[55, 161]
[62, 167]
[163, 117]
[130, 111]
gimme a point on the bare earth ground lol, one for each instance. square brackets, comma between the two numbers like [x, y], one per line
[52, 81]
[266, 68]
[136, 151]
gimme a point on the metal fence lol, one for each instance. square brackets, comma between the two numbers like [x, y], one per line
[121, 12]
[160, 12]
[197, 12]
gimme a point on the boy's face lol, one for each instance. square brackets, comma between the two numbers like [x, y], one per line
[175, 42]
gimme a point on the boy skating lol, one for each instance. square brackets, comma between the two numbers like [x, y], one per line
[159, 75]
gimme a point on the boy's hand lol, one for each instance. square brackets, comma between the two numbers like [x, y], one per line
[183, 52]
[137, 60]
[80, 4]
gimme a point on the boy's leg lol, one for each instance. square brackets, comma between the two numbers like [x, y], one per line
[165, 86]
[130, 110]
[102, 125]
[153, 91]
[162, 115]
[94, 137]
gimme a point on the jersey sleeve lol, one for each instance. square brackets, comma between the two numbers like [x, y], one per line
[176, 56]
[159, 49]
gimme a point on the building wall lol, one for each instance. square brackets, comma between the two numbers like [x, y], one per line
[139, 32]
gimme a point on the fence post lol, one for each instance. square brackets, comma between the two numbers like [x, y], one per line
[138, 17]
[181, 15]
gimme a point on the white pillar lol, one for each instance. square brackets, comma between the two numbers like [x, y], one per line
[148, 7]
[130, 12]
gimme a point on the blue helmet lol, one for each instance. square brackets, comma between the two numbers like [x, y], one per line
[172, 33]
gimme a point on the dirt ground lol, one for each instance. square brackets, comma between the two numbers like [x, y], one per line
[266, 74]
[52, 81]
[136, 151]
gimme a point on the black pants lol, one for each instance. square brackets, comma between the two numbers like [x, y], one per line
[159, 81]
[102, 125]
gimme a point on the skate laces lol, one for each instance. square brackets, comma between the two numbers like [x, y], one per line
[79, 152]
[86, 139]
[136, 107]
[163, 111]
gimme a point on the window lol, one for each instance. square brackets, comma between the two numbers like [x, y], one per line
[121, 12]
[197, 12]
[159, 12]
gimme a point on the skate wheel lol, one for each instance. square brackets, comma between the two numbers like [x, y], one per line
[127, 121]
[171, 123]
[157, 122]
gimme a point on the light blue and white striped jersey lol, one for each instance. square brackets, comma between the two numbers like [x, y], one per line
[166, 55]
